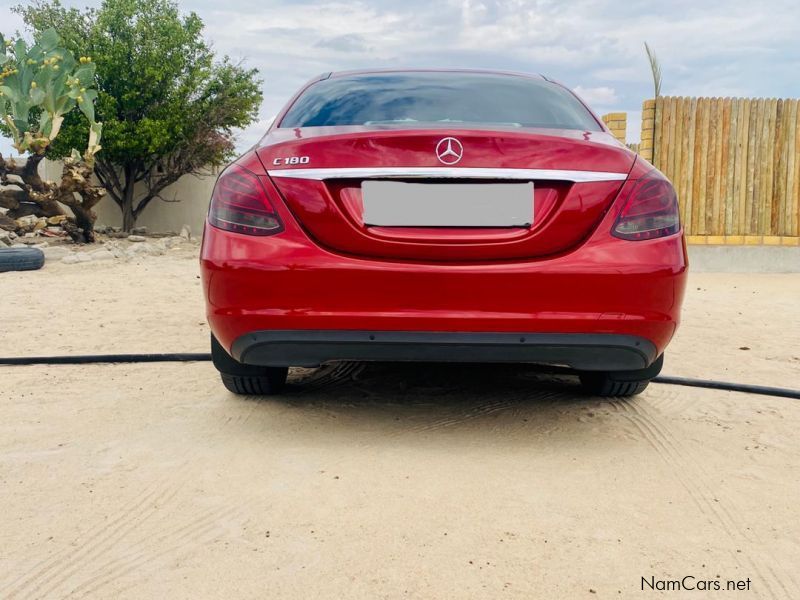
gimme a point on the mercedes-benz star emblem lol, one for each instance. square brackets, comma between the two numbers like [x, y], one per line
[449, 150]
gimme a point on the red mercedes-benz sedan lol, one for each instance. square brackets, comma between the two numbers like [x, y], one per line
[464, 216]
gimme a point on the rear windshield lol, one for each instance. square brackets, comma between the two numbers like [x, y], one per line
[438, 97]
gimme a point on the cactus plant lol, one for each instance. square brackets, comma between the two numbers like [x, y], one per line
[39, 85]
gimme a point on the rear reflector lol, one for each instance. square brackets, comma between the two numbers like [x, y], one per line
[240, 204]
[650, 211]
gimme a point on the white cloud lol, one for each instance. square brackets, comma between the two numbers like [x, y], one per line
[595, 46]
[6, 149]
[252, 134]
[714, 47]
[603, 96]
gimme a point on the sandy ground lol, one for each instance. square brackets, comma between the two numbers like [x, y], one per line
[385, 481]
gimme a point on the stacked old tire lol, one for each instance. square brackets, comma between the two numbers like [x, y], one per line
[20, 259]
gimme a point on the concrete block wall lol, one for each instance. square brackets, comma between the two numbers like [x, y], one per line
[185, 203]
[617, 122]
[648, 122]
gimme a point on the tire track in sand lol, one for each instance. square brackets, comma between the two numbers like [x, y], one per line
[139, 509]
[475, 411]
[198, 531]
[144, 514]
[692, 477]
[330, 376]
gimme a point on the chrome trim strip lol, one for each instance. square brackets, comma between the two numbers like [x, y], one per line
[447, 173]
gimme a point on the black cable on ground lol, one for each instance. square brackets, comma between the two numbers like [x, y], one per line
[730, 387]
[84, 359]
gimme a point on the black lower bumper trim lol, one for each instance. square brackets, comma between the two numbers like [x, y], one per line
[310, 348]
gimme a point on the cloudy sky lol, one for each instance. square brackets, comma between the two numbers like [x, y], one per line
[707, 48]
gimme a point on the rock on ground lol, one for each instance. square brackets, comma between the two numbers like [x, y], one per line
[77, 257]
[56, 252]
[144, 249]
[102, 254]
[5, 237]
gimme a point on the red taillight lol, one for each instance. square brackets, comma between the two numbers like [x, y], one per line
[650, 211]
[240, 204]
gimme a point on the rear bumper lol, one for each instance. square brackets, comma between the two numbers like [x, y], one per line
[309, 348]
[285, 299]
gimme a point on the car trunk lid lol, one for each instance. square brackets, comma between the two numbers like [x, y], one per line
[320, 173]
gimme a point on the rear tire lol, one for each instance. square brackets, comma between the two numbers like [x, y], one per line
[264, 385]
[244, 379]
[601, 384]
[620, 383]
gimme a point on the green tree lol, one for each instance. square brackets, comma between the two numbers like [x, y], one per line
[168, 107]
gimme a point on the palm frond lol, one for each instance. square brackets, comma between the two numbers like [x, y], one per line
[655, 68]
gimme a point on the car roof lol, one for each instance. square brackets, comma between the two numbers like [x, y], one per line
[335, 74]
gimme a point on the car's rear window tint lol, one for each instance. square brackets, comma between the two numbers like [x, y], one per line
[462, 99]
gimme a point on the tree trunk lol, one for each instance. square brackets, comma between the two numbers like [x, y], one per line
[85, 219]
[128, 220]
[34, 196]
[128, 214]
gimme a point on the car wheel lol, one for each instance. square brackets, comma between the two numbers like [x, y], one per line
[620, 383]
[21, 259]
[246, 379]
[262, 385]
[601, 384]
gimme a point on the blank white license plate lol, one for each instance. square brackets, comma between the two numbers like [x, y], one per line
[401, 204]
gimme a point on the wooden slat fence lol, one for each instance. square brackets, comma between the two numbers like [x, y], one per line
[735, 162]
